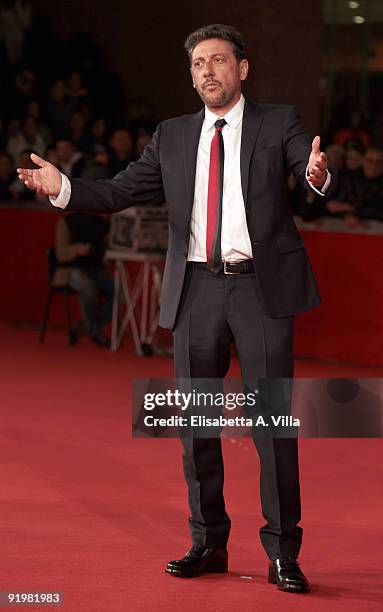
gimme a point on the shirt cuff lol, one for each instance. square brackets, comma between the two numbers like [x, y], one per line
[65, 192]
[321, 192]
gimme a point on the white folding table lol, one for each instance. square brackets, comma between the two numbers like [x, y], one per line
[141, 299]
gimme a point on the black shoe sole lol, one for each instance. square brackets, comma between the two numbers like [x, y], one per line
[210, 570]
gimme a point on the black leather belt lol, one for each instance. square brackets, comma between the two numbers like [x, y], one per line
[229, 267]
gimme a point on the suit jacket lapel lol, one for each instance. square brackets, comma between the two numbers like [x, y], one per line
[251, 124]
[190, 140]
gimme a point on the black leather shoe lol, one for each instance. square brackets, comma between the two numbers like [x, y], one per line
[198, 560]
[287, 575]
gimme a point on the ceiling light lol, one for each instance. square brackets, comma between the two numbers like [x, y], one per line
[353, 5]
[358, 19]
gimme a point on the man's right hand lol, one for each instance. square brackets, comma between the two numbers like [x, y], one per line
[45, 180]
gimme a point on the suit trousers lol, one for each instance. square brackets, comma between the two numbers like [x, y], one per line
[214, 311]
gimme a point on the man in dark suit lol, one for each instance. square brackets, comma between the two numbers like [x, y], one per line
[236, 270]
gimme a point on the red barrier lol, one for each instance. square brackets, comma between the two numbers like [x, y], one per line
[348, 326]
[348, 266]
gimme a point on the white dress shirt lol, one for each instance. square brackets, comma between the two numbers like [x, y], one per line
[235, 240]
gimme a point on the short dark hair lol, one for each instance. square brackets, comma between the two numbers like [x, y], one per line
[217, 30]
[62, 139]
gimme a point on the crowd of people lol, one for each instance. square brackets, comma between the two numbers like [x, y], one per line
[61, 125]
[75, 114]
[355, 152]
[74, 111]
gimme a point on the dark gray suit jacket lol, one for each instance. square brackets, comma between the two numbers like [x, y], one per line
[273, 143]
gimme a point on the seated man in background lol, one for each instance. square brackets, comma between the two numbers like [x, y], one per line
[69, 160]
[80, 248]
[360, 193]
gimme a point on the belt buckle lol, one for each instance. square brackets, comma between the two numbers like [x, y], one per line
[225, 268]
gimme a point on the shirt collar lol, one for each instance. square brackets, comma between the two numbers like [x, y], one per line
[233, 117]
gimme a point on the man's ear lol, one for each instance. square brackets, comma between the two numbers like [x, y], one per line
[192, 77]
[243, 69]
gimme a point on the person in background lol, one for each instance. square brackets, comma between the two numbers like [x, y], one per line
[76, 90]
[360, 194]
[7, 177]
[14, 100]
[78, 132]
[354, 158]
[69, 160]
[96, 166]
[99, 133]
[34, 110]
[57, 108]
[122, 150]
[336, 156]
[137, 115]
[15, 20]
[354, 132]
[28, 138]
[142, 139]
[80, 248]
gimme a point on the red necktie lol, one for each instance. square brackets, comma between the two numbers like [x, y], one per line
[214, 199]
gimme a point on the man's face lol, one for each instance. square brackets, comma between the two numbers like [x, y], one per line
[64, 150]
[30, 127]
[122, 142]
[373, 164]
[216, 73]
[354, 159]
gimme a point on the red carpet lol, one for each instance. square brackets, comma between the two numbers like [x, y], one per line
[88, 511]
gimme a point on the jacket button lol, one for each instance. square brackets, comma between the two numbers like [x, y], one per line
[247, 210]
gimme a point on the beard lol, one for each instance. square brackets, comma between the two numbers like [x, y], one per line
[215, 99]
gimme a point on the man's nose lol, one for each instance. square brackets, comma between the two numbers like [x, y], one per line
[208, 69]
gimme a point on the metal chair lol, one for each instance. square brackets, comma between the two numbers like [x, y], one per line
[65, 290]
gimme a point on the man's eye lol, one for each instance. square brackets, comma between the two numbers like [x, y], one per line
[197, 64]
[219, 60]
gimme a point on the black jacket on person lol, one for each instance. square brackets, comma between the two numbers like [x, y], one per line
[273, 143]
[365, 194]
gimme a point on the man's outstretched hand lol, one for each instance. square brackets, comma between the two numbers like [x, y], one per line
[317, 164]
[45, 180]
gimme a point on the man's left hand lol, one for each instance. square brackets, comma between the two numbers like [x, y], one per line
[317, 165]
